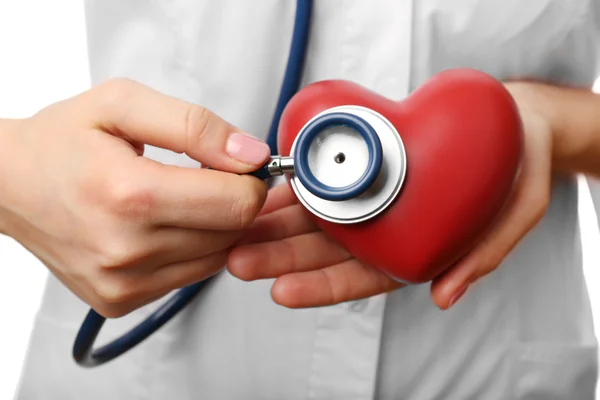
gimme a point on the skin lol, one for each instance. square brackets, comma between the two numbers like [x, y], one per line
[118, 229]
[121, 230]
[562, 136]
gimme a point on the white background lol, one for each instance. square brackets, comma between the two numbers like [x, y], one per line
[43, 59]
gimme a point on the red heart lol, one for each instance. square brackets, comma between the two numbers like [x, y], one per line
[464, 140]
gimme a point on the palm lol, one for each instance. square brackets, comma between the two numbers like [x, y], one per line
[310, 269]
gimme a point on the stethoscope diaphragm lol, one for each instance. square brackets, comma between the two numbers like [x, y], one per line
[349, 164]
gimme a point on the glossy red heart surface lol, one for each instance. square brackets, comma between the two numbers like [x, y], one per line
[463, 139]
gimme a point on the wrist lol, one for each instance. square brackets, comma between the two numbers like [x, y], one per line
[571, 114]
[532, 98]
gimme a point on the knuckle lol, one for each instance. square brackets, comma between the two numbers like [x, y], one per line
[337, 293]
[486, 268]
[246, 206]
[117, 254]
[114, 292]
[129, 200]
[493, 259]
[197, 119]
[534, 203]
[108, 98]
[540, 200]
[245, 268]
[115, 89]
[487, 260]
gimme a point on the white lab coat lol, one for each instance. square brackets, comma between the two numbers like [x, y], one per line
[524, 332]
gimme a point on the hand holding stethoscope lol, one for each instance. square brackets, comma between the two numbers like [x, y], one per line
[118, 229]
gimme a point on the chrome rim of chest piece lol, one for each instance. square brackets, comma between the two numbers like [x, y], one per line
[339, 156]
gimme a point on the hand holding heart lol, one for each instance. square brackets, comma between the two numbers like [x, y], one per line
[314, 262]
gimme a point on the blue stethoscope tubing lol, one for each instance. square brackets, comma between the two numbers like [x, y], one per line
[83, 351]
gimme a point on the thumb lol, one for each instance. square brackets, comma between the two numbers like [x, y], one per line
[140, 114]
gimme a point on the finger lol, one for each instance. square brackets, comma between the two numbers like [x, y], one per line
[274, 259]
[188, 198]
[279, 197]
[336, 284]
[141, 114]
[171, 245]
[527, 207]
[123, 291]
[179, 275]
[285, 223]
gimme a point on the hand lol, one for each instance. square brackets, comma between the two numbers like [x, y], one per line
[526, 208]
[121, 230]
[311, 270]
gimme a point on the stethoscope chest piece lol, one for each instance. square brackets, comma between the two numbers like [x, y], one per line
[350, 164]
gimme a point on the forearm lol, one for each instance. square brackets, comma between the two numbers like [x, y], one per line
[7, 157]
[574, 116]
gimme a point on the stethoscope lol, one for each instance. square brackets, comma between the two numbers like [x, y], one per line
[379, 161]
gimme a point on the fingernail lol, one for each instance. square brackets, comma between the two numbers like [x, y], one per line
[458, 294]
[247, 149]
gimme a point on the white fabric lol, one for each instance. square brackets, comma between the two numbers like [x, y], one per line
[594, 185]
[525, 332]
